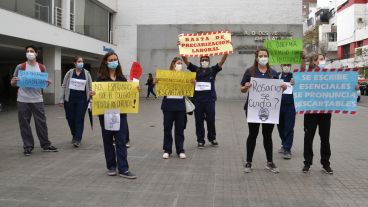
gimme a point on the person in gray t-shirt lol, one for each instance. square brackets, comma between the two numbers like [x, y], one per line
[30, 102]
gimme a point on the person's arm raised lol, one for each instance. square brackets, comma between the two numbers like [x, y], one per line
[222, 61]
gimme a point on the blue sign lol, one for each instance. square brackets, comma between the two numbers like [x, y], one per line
[30, 79]
[325, 91]
[107, 49]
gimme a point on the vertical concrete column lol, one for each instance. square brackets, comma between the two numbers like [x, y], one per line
[52, 61]
[65, 5]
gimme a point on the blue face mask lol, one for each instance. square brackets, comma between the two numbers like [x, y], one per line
[113, 65]
[79, 65]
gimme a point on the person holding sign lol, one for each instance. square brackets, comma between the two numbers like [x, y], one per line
[30, 102]
[173, 108]
[114, 124]
[260, 69]
[205, 98]
[74, 96]
[311, 122]
[287, 113]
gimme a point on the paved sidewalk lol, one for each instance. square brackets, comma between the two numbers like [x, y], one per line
[207, 178]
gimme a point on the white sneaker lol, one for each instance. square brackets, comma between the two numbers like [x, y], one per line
[182, 156]
[165, 155]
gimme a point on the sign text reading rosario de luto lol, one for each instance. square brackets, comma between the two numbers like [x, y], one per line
[205, 44]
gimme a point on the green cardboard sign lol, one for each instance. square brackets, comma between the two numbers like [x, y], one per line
[284, 51]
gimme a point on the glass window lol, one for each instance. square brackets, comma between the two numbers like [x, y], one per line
[38, 9]
[96, 21]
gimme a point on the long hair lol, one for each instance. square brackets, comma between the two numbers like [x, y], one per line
[76, 59]
[314, 58]
[255, 64]
[103, 72]
[172, 64]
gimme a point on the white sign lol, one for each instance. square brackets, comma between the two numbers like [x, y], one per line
[203, 86]
[289, 89]
[77, 84]
[175, 97]
[112, 120]
[264, 101]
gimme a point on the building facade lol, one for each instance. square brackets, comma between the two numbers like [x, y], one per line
[60, 29]
[145, 31]
[352, 20]
[148, 31]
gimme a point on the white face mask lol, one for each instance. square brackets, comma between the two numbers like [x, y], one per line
[178, 67]
[30, 55]
[205, 64]
[286, 69]
[263, 61]
[322, 64]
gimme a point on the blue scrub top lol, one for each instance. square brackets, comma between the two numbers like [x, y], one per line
[287, 99]
[75, 95]
[205, 75]
[247, 75]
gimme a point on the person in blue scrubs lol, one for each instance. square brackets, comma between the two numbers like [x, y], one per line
[75, 100]
[174, 111]
[205, 98]
[260, 69]
[287, 114]
[116, 155]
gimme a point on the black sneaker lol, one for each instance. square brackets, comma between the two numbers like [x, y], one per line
[328, 170]
[200, 145]
[306, 169]
[248, 167]
[287, 155]
[272, 167]
[128, 175]
[127, 145]
[50, 149]
[214, 143]
[76, 144]
[27, 152]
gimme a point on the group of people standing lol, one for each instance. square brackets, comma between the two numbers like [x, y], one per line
[75, 101]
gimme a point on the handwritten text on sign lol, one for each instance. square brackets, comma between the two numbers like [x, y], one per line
[284, 51]
[320, 92]
[264, 101]
[173, 83]
[30, 79]
[115, 95]
[211, 44]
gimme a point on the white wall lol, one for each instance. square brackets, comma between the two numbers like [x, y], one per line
[348, 29]
[163, 12]
[111, 4]
[38, 31]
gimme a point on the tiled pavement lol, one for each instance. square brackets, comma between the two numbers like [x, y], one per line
[208, 177]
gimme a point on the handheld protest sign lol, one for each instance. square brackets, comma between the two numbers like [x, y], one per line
[319, 91]
[174, 83]
[264, 101]
[284, 51]
[135, 71]
[30, 79]
[205, 44]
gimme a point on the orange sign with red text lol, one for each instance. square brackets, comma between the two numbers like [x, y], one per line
[205, 44]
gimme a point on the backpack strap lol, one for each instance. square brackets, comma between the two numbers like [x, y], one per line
[23, 66]
[41, 66]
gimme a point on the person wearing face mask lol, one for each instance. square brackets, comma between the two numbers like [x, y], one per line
[205, 98]
[287, 114]
[30, 102]
[311, 122]
[173, 108]
[115, 154]
[74, 96]
[260, 69]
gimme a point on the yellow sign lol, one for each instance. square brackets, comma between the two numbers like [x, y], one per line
[115, 95]
[205, 44]
[173, 83]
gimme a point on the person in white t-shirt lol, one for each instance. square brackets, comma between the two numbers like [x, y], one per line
[30, 102]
